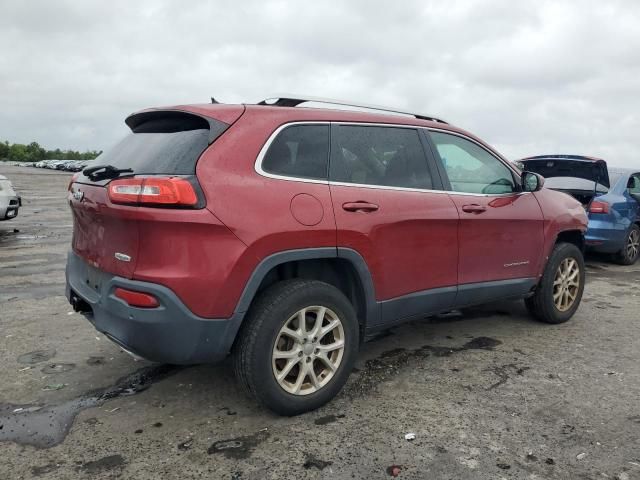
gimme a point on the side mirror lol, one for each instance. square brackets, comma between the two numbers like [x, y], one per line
[531, 182]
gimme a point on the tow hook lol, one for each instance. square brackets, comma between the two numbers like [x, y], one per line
[78, 304]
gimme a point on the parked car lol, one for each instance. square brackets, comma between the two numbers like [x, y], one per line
[286, 235]
[611, 196]
[10, 201]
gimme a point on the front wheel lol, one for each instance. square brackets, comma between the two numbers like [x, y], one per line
[558, 295]
[631, 250]
[297, 346]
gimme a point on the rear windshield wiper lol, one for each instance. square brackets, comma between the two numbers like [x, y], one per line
[102, 172]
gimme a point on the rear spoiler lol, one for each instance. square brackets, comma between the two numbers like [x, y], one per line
[170, 121]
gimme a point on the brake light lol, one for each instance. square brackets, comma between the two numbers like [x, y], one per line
[153, 191]
[74, 177]
[137, 299]
[599, 207]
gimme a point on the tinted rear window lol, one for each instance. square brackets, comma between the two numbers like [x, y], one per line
[163, 142]
[149, 153]
[299, 151]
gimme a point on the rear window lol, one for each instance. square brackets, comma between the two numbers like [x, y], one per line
[167, 143]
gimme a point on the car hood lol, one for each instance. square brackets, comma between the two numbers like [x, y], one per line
[573, 166]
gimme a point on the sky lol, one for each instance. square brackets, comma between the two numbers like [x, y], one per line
[528, 77]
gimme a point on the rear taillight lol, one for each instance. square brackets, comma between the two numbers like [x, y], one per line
[136, 299]
[153, 191]
[74, 177]
[599, 207]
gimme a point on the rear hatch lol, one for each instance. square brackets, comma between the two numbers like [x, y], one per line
[582, 177]
[152, 167]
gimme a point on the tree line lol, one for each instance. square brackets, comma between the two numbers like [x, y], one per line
[33, 152]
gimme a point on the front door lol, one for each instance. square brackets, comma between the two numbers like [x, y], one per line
[385, 209]
[501, 227]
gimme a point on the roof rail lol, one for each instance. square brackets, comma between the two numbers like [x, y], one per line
[295, 100]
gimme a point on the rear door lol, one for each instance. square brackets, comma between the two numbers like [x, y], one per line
[387, 209]
[162, 143]
[501, 228]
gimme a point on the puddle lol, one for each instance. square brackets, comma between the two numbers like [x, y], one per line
[101, 465]
[388, 364]
[328, 419]
[95, 360]
[49, 425]
[313, 462]
[238, 448]
[37, 356]
[57, 368]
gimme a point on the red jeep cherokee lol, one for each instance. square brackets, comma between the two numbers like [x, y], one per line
[286, 235]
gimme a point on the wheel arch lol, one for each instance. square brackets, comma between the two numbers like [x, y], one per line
[576, 237]
[343, 268]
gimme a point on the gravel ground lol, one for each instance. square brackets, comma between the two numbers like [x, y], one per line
[488, 393]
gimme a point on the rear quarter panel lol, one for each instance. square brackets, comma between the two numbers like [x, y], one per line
[257, 209]
[611, 228]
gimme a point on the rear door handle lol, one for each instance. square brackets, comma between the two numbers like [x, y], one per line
[359, 207]
[473, 208]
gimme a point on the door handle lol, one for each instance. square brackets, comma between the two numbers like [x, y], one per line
[473, 208]
[359, 207]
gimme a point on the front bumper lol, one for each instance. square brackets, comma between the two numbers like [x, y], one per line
[10, 209]
[169, 333]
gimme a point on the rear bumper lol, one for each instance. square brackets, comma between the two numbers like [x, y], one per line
[605, 236]
[169, 333]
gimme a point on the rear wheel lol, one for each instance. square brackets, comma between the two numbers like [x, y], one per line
[631, 251]
[559, 292]
[297, 346]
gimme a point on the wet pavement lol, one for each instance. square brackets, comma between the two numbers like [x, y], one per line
[489, 393]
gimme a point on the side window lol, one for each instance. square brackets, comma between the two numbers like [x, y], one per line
[385, 156]
[634, 184]
[299, 151]
[470, 168]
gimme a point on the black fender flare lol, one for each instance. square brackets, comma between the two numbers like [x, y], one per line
[275, 259]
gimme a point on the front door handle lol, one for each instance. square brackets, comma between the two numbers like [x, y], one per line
[359, 207]
[473, 208]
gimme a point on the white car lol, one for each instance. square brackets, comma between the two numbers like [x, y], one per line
[10, 201]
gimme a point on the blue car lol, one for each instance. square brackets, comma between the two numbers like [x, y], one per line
[611, 197]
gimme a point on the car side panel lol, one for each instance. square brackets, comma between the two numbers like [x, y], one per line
[607, 232]
[561, 213]
[258, 209]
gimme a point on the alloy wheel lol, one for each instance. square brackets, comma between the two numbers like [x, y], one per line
[308, 350]
[633, 244]
[566, 284]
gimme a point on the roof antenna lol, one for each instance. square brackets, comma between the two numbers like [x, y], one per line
[213, 100]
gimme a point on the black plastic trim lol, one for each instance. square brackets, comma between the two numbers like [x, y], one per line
[418, 304]
[478, 293]
[170, 333]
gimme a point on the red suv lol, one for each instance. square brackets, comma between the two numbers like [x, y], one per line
[286, 235]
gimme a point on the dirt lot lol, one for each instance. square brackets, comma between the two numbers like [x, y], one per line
[489, 393]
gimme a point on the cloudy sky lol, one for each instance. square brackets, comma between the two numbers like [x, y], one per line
[528, 77]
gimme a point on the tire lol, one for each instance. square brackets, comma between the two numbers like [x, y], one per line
[542, 304]
[631, 250]
[261, 338]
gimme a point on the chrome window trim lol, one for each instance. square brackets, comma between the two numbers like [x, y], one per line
[263, 151]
